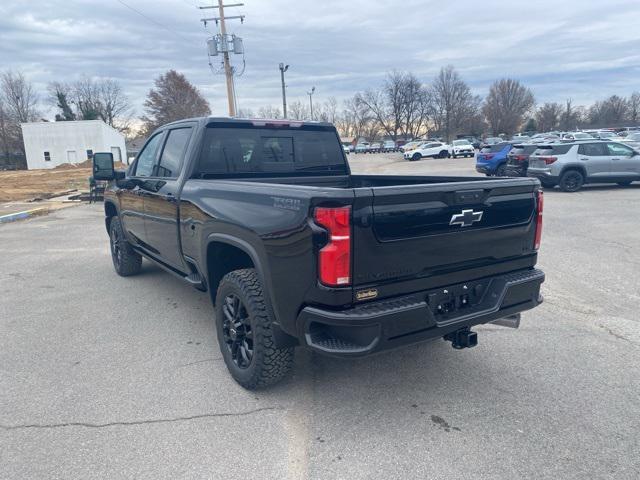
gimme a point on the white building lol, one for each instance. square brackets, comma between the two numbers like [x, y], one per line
[49, 144]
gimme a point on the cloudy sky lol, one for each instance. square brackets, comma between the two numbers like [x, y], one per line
[580, 49]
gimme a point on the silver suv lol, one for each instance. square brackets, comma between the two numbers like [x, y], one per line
[571, 165]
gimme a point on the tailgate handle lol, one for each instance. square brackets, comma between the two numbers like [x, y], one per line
[468, 196]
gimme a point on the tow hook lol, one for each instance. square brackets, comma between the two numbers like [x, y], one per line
[463, 338]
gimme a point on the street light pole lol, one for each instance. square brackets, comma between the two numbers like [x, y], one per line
[283, 68]
[313, 89]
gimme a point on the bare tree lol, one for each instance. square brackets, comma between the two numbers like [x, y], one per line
[548, 116]
[355, 119]
[451, 102]
[246, 113]
[173, 98]
[298, 110]
[327, 111]
[269, 112]
[506, 105]
[18, 104]
[612, 111]
[115, 109]
[634, 107]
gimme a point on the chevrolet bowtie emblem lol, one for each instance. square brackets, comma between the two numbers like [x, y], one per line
[466, 218]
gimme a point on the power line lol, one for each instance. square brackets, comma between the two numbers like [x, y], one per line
[154, 21]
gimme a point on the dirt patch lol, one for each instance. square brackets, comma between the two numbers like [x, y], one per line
[27, 184]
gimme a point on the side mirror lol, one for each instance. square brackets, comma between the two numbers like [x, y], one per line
[103, 166]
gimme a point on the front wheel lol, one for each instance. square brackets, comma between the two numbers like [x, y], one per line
[416, 156]
[126, 260]
[443, 154]
[571, 181]
[246, 338]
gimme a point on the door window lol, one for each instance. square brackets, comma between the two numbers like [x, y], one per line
[593, 150]
[619, 150]
[174, 149]
[147, 157]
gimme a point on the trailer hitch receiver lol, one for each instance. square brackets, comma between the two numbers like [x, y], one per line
[463, 338]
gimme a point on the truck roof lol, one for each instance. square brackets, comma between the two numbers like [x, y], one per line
[253, 120]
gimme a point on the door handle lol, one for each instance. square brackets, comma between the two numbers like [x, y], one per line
[584, 159]
[615, 159]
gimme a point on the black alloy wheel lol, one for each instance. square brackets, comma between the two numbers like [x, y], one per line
[237, 331]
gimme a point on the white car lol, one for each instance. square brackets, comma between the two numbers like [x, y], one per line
[462, 148]
[362, 147]
[429, 149]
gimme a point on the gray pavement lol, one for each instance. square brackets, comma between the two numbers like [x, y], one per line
[106, 377]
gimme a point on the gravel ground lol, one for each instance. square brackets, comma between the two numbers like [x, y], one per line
[106, 377]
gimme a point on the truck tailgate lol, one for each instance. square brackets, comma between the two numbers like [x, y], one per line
[426, 234]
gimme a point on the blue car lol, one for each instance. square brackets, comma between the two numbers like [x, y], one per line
[492, 159]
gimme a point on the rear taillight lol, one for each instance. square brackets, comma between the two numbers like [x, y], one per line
[520, 158]
[334, 259]
[489, 156]
[539, 209]
[548, 160]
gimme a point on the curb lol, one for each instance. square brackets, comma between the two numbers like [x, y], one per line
[12, 217]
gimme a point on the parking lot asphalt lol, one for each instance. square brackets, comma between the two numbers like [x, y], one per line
[107, 377]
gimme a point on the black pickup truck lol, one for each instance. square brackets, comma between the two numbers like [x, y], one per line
[294, 250]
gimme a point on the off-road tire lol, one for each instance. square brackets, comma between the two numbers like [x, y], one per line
[126, 260]
[571, 180]
[268, 363]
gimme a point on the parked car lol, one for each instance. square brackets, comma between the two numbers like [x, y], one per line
[573, 136]
[462, 148]
[518, 159]
[571, 165]
[389, 146]
[491, 141]
[492, 159]
[346, 149]
[632, 139]
[429, 150]
[266, 217]
[407, 147]
[374, 148]
[520, 138]
[362, 147]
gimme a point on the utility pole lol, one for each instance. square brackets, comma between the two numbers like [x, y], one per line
[283, 68]
[313, 89]
[228, 73]
[221, 43]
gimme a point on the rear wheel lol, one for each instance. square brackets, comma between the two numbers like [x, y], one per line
[245, 335]
[501, 171]
[571, 181]
[547, 184]
[126, 260]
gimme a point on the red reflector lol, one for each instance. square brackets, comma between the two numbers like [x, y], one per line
[334, 259]
[540, 207]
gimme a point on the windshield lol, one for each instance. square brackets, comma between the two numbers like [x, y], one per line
[247, 150]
